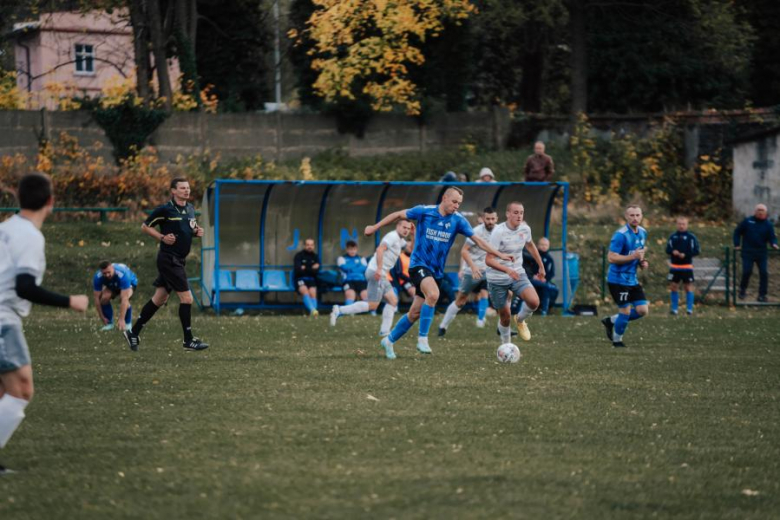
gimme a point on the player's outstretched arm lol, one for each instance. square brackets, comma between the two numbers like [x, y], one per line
[380, 253]
[541, 274]
[27, 289]
[482, 244]
[392, 217]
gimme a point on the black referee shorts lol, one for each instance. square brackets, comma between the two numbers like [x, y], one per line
[171, 273]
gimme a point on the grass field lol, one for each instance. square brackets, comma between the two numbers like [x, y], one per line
[284, 417]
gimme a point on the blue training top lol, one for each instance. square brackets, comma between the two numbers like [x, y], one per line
[352, 268]
[625, 242]
[434, 236]
[124, 278]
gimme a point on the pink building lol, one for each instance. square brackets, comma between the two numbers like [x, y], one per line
[79, 51]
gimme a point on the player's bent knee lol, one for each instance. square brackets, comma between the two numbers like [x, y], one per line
[642, 310]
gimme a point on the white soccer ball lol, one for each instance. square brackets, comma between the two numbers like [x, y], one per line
[508, 353]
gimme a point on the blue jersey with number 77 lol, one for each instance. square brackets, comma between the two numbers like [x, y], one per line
[625, 242]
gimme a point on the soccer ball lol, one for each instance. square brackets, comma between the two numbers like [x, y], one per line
[508, 353]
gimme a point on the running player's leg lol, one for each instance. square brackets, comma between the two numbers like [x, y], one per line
[483, 302]
[674, 294]
[430, 289]
[402, 327]
[499, 297]
[16, 381]
[452, 309]
[391, 305]
[530, 299]
[157, 300]
[129, 313]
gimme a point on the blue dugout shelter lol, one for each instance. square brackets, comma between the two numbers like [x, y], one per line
[255, 228]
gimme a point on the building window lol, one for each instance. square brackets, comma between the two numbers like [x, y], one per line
[85, 59]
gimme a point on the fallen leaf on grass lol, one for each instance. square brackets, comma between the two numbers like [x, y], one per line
[750, 492]
[371, 397]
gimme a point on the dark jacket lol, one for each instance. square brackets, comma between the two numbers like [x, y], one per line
[755, 235]
[302, 264]
[685, 243]
[532, 268]
[539, 168]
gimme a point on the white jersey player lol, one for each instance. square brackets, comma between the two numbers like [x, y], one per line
[503, 276]
[22, 265]
[379, 287]
[472, 276]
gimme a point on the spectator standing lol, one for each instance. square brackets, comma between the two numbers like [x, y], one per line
[681, 247]
[751, 237]
[539, 166]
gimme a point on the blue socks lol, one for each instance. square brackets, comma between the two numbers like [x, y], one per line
[621, 323]
[482, 307]
[675, 298]
[689, 301]
[309, 302]
[129, 314]
[634, 315]
[401, 328]
[426, 319]
[108, 312]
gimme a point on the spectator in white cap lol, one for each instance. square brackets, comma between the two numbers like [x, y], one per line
[486, 175]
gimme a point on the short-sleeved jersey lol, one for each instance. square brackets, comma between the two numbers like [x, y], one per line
[434, 236]
[352, 268]
[477, 253]
[124, 278]
[625, 242]
[395, 245]
[179, 220]
[509, 241]
[22, 251]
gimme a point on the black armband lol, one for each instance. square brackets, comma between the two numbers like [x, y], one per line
[27, 289]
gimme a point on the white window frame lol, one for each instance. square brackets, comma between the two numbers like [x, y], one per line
[84, 54]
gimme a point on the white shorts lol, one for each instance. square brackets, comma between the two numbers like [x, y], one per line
[499, 291]
[14, 353]
[377, 290]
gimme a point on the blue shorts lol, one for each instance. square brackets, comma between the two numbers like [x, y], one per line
[14, 353]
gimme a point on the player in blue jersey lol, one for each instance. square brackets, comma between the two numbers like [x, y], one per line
[353, 272]
[626, 255]
[110, 281]
[437, 227]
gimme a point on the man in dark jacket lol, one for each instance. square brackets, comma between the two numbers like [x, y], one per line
[306, 265]
[751, 237]
[681, 247]
[539, 166]
[548, 291]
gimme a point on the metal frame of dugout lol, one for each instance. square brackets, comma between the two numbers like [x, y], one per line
[254, 228]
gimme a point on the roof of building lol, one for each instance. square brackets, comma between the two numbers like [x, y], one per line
[755, 135]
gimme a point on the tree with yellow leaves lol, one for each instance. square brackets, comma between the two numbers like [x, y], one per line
[365, 47]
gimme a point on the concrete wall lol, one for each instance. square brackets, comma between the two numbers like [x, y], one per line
[274, 136]
[757, 175]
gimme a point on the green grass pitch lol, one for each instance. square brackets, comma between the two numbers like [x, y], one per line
[286, 418]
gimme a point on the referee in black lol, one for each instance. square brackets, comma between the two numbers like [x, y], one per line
[176, 219]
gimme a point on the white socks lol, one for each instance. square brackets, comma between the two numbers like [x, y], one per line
[11, 416]
[449, 315]
[355, 308]
[524, 313]
[387, 319]
[506, 333]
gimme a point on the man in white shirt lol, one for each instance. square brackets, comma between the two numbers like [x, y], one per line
[22, 265]
[503, 276]
[472, 276]
[379, 287]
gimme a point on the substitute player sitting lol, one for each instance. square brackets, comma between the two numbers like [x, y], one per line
[306, 269]
[353, 270]
[379, 287]
[626, 255]
[472, 277]
[503, 276]
[437, 227]
[681, 247]
[110, 281]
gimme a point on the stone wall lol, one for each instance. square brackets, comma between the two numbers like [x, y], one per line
[275, 136]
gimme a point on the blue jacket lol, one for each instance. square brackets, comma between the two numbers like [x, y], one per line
[755, 235]
[687, 244]
[532, 268]
[352, 268]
